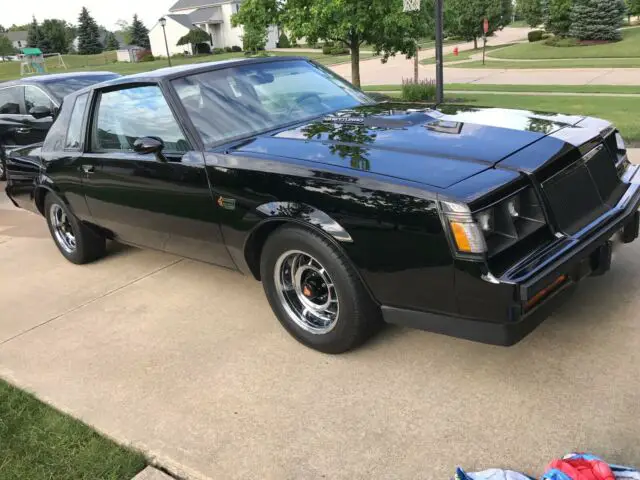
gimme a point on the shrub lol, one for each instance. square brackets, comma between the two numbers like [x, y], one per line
[561, 42]
[203, 49]
[535, 35]
[218, 51]
[236, 48]
[340, 51]
[424, 90]
[228, 49]
[145, 56]
[546, 36]
[327, 49]
[283, 41]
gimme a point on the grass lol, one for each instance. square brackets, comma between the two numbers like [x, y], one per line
[106, 61]
[519, 24]
[620, 111]
[556, 63]
[471, 87]
[463, 55]
[628, 47]
[37, 442]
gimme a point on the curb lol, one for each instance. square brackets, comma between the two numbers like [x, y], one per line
[151, 473]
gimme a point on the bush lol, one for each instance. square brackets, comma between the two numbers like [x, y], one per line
[145, 56]
[561, 42]
[340, 51]
[283, 41]
[547, 35]
[236, 48]
[218, 51]
[203, 49]
[535, 35]
[228, 49]
[424, 90]
[327, 49]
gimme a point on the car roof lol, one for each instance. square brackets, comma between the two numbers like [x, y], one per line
[54, 77]
[171, 73]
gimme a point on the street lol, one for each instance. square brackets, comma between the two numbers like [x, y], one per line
[187, 362]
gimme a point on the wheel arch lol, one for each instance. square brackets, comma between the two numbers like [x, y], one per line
[256, 240]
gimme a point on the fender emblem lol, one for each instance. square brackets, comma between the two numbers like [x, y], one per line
[227, 203]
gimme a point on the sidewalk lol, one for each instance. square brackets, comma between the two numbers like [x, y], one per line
[374, 72]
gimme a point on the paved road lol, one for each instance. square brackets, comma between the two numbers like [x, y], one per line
[186, 361]
[373, 72]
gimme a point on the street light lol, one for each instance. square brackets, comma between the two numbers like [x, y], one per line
[163, 24]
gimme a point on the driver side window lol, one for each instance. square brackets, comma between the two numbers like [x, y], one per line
[34, 97]
[123, 116]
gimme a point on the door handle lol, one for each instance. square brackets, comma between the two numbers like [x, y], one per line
[88, 168]
[23, 130]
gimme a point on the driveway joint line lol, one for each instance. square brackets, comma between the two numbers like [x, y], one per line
[89, 302]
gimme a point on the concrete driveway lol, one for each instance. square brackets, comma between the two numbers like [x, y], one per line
[187, 362]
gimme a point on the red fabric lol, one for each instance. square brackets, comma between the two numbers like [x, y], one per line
[581, 469]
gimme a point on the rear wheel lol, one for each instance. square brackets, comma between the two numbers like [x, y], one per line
[315, 292]
[77, 242]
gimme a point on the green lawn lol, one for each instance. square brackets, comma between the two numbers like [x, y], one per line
[38, 443]
[463, 55]
[106, 61]
[473, 87]
[556, 63]
[629, 47]
[621, 111]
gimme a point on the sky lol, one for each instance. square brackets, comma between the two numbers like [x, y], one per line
[105, 12]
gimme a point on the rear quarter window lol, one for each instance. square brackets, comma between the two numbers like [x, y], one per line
[74, 131]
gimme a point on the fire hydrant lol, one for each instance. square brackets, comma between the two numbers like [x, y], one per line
[456, 51]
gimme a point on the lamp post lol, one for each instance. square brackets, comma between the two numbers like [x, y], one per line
[163, 24]
[439, 53]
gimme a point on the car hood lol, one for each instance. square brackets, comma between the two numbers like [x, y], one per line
[438, 147]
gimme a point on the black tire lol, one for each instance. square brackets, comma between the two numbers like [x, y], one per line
[358, 316]
[89, 245]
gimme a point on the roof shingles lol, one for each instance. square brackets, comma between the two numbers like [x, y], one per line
[188, 4]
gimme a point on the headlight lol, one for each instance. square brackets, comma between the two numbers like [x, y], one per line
[496, 228]
[620, 142]
[465, 232]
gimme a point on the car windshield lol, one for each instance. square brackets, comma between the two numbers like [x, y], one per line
[62, 88]
[242, 101]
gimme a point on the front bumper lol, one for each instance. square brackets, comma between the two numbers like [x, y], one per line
[535, 286]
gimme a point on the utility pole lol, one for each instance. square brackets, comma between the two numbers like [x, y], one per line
[439, 53]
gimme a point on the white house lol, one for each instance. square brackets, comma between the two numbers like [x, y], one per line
[18, 39]
[212, 16]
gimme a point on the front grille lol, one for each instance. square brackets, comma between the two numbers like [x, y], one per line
[584, 190]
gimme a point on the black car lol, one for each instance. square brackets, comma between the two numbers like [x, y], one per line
[465, 221]
[27, 106]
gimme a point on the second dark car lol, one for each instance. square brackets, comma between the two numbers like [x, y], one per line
[465, 221]
[28, 106]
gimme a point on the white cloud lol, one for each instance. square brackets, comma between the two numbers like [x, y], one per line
[106, 13]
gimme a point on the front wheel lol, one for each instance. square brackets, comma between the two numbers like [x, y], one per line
[315, 292]
[77, 242]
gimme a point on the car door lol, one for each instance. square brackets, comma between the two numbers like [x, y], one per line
[34, 130]
[160, 201]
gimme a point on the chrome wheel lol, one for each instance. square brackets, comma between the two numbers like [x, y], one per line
[1, 168]
[306, 292]
[62, 229]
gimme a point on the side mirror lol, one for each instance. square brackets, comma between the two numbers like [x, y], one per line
[147, 145]
[40, 111]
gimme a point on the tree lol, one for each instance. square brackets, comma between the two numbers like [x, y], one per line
[467, 16]
[380, 23]
[558, 16]
[255, 16]
[6, 47]
[597, 19]
[19, 28]
[34, 34]
[139, 34]
[55, 34]
[2, 29]
[633, 8]
[531, 11]
[194, 37]
[88, 34]
[111, 42]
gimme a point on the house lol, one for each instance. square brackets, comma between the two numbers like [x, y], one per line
[18, 39]
[212, 16]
